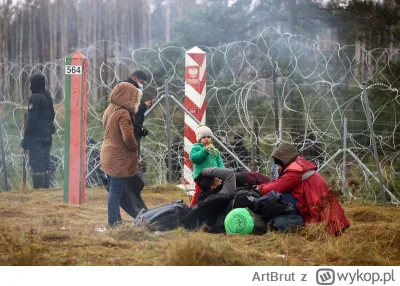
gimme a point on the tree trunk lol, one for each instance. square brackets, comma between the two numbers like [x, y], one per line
[64, 29]
[292, 15]
[149, 25]
[168, 21]
[181, 8]
[21, 51]
[42, 37]
[30, 42]
[115, 31]
[6, 20]
[34, 38]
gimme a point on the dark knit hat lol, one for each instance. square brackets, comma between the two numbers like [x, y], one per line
[140, 75]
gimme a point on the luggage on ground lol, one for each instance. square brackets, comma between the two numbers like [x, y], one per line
[243, 221]
[245, 197]
[272, 205]
[164, 217]
[208, 214]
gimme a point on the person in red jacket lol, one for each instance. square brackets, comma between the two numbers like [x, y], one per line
[315, 199]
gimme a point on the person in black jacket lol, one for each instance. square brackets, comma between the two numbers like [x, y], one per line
[39, 128]
[138, 78]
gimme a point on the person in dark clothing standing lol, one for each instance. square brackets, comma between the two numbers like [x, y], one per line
[39, 128]
[138, 78]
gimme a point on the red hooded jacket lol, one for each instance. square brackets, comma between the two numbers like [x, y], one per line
[315, 200]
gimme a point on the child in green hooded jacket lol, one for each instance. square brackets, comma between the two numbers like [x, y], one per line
[203, 155]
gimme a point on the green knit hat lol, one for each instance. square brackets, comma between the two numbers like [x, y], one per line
[239, 221]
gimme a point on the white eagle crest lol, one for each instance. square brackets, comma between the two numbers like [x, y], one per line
[193, 72]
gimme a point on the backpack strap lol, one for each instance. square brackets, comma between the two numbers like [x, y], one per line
[307, 174]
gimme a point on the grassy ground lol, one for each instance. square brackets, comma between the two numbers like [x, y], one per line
[36, 228]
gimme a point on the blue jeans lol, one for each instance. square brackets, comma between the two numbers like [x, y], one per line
[116, 190]
[287, 223]
[287, 197]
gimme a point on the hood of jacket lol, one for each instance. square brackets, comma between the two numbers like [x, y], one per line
[286, 152]
[127, 96]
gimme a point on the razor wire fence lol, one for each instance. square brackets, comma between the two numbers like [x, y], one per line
[315, 84]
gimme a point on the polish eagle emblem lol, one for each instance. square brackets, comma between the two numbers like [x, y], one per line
[193, 72]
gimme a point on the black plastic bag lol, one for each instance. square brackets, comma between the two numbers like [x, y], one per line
[164, 217]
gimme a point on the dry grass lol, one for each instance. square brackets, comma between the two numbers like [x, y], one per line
[38, 229]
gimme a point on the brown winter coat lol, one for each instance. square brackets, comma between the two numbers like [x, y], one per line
[119, 152]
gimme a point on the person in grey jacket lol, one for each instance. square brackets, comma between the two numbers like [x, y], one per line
[216, 181]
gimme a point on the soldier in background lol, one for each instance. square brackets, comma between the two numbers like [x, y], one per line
[39, 128]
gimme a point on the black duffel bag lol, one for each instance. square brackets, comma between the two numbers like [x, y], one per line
[245, 197]
[162, 218]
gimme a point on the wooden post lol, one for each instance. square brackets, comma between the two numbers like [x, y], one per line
[76, 67]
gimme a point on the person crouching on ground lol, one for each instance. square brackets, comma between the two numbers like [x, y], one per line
[119, 152]
[313, 196]
[203, 155]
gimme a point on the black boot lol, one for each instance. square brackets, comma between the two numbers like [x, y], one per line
[47, 178]
[38, 180]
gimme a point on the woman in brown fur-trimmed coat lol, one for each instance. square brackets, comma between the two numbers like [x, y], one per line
[119, 152]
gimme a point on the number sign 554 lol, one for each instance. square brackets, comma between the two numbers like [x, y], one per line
[73, 70]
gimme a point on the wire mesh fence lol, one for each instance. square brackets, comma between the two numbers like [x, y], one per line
[312, 84]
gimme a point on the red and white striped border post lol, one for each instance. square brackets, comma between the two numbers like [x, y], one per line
[76, 68]
[195, 102]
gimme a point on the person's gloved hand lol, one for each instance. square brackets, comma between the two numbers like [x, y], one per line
[25, 143]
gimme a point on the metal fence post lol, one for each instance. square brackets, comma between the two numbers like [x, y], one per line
[371, 130]
[344, 156]
[168, 130]
[3, 157]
